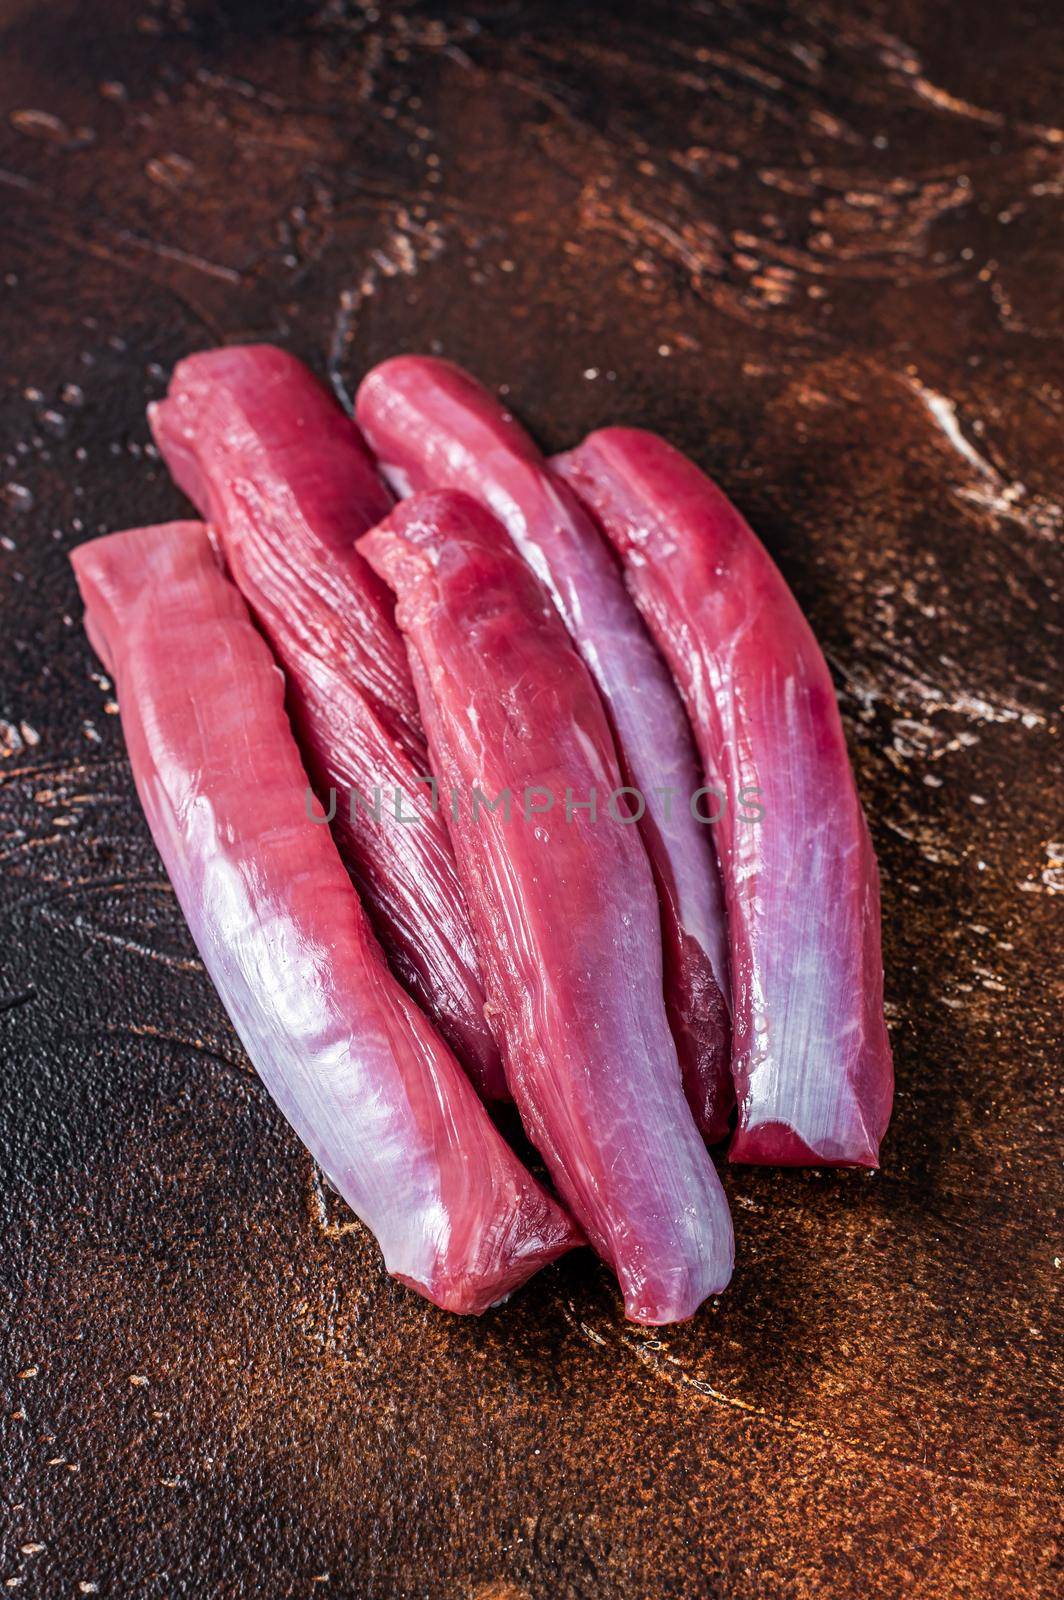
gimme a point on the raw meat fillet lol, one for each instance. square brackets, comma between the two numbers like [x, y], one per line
[359, 1072]
[433, 426]
[811, 1055]
[287, 484]
[563, 903]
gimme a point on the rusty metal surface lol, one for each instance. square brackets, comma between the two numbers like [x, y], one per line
[816, 245]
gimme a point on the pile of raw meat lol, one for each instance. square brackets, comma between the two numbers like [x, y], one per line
[527, 785]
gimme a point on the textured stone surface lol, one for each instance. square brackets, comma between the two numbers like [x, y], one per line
[815, 245]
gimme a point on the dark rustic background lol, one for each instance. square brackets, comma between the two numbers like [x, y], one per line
[816, 245]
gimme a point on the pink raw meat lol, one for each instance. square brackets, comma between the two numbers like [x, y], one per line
[563, 903]
[811, 1057]
[433, 426]
[356, 1068]
[287, 484]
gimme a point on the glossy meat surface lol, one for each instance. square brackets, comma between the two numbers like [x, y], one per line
[563, 904]
[287, 484]
[812, 1059]
[433, 426]
[359, 1072]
